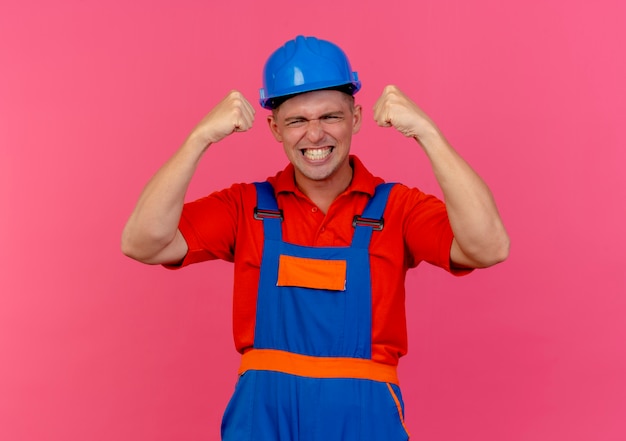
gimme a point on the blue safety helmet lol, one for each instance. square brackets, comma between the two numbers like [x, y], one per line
[303, 65]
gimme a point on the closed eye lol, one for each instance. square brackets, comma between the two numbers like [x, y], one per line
[332, 119]
[296, 122]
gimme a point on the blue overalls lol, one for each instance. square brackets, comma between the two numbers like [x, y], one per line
[310, 376]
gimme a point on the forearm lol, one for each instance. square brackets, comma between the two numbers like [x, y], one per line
[480, 237]
[153, 224]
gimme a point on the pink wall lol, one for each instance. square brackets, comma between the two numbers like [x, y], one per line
[94, 97]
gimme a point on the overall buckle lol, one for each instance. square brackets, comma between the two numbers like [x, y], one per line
[376, 224]
[260, 214]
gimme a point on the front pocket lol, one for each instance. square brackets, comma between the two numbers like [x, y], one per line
[312, 273]
[237, 420]
[399, 406]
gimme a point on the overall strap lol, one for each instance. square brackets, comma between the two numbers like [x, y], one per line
[267, 210]
[372, 217]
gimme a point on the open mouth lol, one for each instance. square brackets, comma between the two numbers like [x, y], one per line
[317, 154]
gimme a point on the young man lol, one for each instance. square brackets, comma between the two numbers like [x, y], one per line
[320, 250]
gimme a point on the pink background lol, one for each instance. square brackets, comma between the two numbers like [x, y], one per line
[95, 96]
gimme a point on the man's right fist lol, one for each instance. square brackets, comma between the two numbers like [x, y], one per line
[233, 114]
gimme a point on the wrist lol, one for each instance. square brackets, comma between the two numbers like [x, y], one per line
[429, 138]
[197, 142]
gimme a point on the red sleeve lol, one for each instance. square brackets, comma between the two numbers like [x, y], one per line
[209, 224]
[427, 231]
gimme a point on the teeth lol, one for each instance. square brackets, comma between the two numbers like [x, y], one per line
[317, 154]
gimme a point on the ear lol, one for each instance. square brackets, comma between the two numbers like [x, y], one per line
[356, 119]
[273, 125]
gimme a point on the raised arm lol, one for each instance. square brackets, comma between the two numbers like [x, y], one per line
[480, 239]
[151, 234]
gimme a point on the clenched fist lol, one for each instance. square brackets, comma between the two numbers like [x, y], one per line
[233, 114]
[395, 109]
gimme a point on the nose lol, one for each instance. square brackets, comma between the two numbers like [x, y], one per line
[314, 131]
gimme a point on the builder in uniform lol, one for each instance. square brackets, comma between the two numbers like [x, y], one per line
[321, 249]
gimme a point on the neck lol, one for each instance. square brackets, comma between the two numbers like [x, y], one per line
[323, 192]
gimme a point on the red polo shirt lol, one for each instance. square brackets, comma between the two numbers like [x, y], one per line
[221, 226]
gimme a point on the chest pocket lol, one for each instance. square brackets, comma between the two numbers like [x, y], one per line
[312, 273]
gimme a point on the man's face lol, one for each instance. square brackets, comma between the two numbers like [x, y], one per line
[316, 130]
